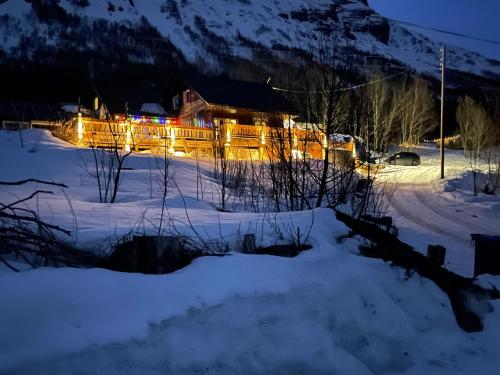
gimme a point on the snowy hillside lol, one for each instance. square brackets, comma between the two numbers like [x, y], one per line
[328, 310]
[213, 30]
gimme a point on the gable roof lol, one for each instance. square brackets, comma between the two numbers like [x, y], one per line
[240, 94]
[114, 96]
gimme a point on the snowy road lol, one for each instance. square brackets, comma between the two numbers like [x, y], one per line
[424, 215]
[429, 210]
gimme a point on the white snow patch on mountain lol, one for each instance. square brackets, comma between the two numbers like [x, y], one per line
[200, 29]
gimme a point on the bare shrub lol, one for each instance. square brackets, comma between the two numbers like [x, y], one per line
[25, 235]
[108, 158]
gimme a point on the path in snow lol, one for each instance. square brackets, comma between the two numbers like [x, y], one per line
[434, 218]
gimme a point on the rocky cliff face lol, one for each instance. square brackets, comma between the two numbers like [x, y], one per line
[207, 32]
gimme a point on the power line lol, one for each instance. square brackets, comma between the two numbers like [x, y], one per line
[379, 66]
[461, 35]
[341, 89]
[372, 82]
[465, 77]
[487, 87]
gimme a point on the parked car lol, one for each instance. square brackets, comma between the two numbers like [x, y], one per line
[403, 158]
[374, 157]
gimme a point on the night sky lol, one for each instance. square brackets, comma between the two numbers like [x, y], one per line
[479, 18]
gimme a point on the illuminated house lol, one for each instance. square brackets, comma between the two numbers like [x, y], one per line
[241, 114]
[210, 117]
[211, 101]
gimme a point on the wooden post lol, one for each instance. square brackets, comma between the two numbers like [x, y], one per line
[441, 142]
[249, 243]
[437, 254]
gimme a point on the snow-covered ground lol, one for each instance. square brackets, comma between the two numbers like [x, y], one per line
[429, 210]
[326, 311]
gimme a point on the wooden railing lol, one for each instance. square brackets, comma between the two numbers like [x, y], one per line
[100, 133]
[191, 132]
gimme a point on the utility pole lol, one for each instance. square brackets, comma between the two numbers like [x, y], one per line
[441, 141]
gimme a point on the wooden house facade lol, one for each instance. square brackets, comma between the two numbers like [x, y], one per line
[242, 115]
[245, 120]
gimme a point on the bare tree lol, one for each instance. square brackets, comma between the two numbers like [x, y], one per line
[285, 160]
[304, 166]
[492, 151]
[375, 118]
[416, 117]
[383, 108]
[222, 163]
[474, 123]
[110, 146]
[326, 102]
[307, 169]
[492, 155]
[163, 167]
[199, 177]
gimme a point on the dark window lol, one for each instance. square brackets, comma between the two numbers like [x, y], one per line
[176, 102]
[187, 97]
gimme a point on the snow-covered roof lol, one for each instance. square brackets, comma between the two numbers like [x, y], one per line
[153, 108]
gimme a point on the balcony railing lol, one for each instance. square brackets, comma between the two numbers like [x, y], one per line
[123, 134]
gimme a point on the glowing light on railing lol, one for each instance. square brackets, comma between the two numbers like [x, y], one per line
[80, 127]
[171, 149]
[288, 122]
[228, 137]
[263, 136]
[298, 155]
[127, 140]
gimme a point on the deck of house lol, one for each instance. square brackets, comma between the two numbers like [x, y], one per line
[240, 141]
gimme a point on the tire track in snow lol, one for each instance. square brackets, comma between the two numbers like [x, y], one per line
[423, 198]
[454, 236]
[400, 208]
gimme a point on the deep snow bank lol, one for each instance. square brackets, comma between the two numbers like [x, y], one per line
[325, 311]
[322, 312]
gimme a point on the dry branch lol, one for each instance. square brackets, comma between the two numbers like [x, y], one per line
[22, 182]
